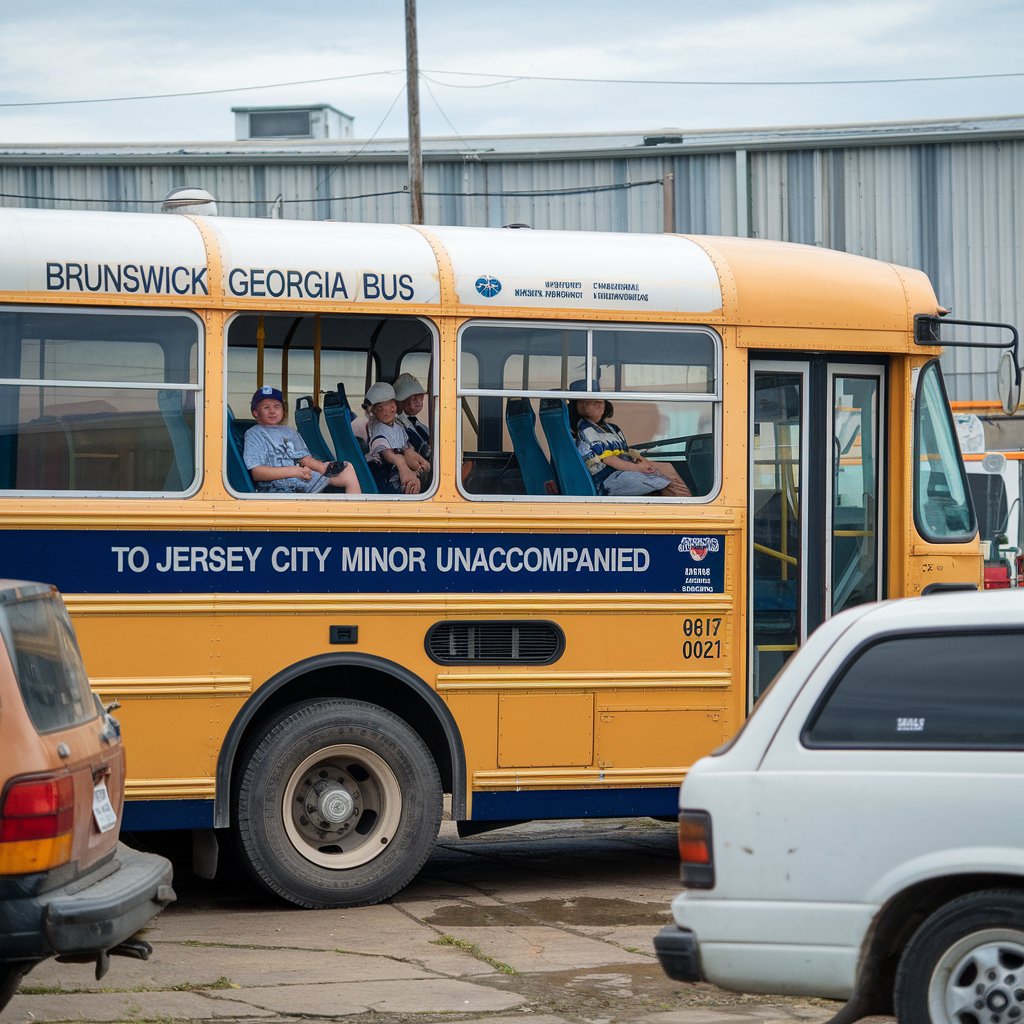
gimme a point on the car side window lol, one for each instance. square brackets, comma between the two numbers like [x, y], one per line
[47, 664]
[952, 691]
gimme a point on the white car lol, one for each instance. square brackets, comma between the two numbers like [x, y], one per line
[863, 837]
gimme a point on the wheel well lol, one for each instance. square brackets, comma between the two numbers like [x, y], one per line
[371, 680]
[897, 921]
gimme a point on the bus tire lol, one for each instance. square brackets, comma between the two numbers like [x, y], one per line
[338, 804]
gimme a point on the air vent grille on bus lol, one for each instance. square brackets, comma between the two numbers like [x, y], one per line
[495, 643]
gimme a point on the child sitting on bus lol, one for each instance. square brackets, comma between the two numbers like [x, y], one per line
[279, 461]
[410, 395]
[396, 465]
[616, 470]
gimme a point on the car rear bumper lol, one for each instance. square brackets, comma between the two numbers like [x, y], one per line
[678, 953]
[88, 918]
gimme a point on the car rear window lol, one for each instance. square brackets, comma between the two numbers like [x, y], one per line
[948, 691]
[47, 664]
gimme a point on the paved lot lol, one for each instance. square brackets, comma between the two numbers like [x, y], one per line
[546, 923]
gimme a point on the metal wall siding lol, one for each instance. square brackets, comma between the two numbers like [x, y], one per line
[951, 208]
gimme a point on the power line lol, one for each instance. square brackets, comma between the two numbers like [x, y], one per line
[327, 177]
[718, 82]
[195, 92]
[426, 82]
[525, 193]
[505, 79]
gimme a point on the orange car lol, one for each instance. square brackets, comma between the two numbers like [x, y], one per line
[68, 887]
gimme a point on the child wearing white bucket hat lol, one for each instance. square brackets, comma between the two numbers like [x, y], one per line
[410, 395]
[393, 460]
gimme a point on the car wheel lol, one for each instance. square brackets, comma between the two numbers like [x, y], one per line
[10, 979]
[965, 964]
[338, 804]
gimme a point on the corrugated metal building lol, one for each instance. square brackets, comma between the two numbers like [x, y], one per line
[944, 196]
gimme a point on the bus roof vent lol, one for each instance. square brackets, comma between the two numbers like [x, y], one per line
[189, 199]
[495, 643]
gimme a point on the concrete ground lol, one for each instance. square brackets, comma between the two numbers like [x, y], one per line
[546, 923]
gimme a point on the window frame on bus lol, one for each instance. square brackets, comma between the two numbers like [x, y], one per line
[355, 399]
[712, 398]
[950, 453]
[194, 387]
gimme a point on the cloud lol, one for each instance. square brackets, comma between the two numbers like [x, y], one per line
[123, 49]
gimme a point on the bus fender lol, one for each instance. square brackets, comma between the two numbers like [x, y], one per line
[272, 687]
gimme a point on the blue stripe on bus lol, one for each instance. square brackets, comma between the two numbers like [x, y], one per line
[263, 562]
[576, 803]
[160, 815]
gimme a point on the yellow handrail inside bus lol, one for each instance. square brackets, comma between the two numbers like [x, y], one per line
[780, 555]
[261, 337]
[316, 360]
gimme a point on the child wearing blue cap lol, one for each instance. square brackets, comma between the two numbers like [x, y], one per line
[278, 459]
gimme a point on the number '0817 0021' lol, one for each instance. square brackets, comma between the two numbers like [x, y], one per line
[702, 649]
[702, 626]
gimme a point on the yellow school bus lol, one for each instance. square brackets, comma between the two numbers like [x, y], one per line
[317, 672]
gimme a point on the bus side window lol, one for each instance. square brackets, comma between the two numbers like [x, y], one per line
[663, 384]
[324, 364]
[106, 403]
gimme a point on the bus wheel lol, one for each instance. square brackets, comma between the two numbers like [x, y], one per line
[338, 804]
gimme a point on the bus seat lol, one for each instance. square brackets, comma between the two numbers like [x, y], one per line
[538, 476]
[46, 459]
[183, 467]
[307, 423]
[238, 476]
[700, 460]
[338, 417]
[570, 469]
[361, 441]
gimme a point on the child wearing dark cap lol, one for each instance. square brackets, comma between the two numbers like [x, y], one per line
[279, 461]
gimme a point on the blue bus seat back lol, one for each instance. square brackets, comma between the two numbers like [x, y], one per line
[238, 476]
[538, 475]
[307, 423]
[364, 447]
[46, 456]
[571, 470]
[700, 460]
[182, 470]
[338, 417]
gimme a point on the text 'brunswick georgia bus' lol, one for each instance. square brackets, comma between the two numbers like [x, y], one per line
[315, 671]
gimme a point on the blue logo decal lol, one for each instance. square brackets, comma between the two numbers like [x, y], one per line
[488, 286]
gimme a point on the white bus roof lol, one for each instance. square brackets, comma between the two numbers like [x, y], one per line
[238, 262]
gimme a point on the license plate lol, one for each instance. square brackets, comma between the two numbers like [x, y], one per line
[102, 809]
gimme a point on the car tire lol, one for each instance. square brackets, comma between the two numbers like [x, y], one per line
[338, 804]
[10, 979]
[965, 963]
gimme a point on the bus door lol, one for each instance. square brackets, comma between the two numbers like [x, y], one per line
[817, 437]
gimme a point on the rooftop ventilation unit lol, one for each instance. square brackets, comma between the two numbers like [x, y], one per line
[189, 199]
[317, 122]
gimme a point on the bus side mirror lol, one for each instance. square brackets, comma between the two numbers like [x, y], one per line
[1008, 382]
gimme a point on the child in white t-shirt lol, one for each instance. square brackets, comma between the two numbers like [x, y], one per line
[395, 463]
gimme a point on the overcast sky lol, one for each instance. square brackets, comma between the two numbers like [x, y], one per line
[62, 50]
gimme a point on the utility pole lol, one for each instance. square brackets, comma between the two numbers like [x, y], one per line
[412, 96]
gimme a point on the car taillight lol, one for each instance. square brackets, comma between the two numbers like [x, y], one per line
[697, 863]
[36, 823]
[997, 577]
